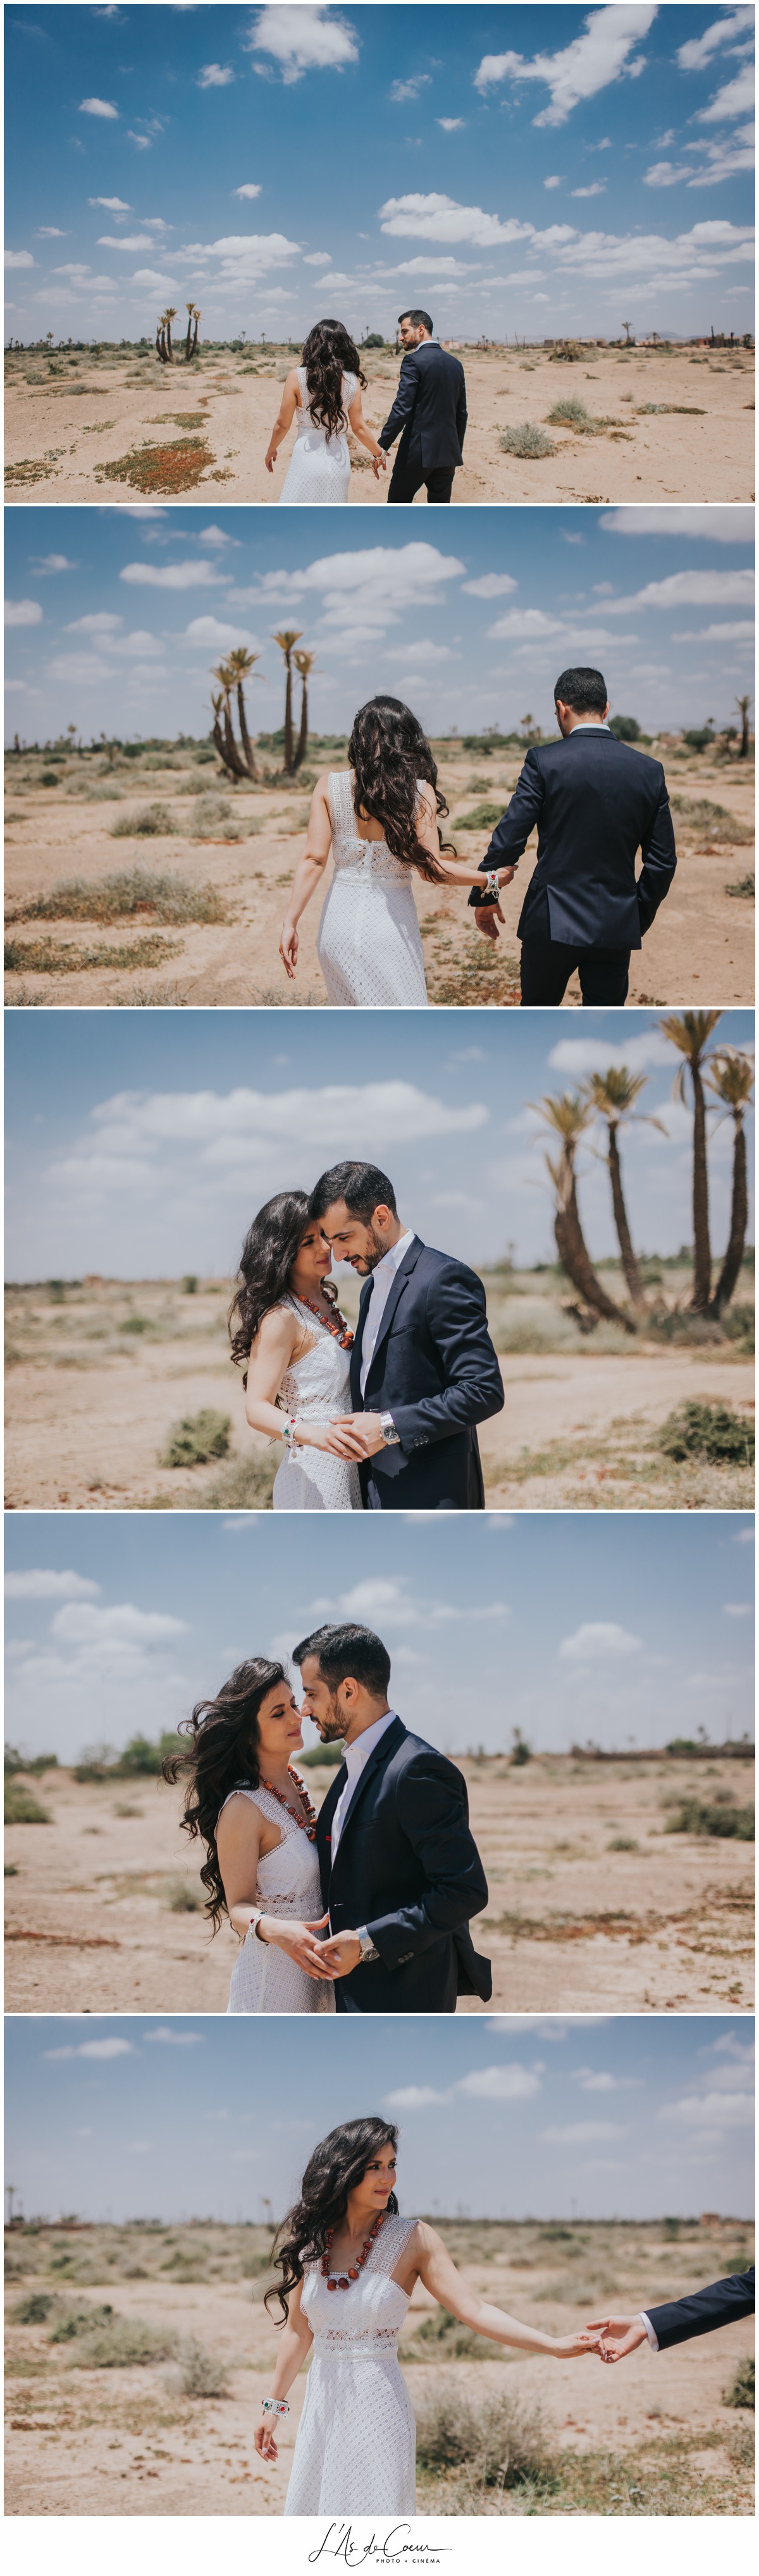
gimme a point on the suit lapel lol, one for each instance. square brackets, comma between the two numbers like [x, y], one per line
[388, 1743]
[358, 1341]
[326, 1813]
[403, 1273]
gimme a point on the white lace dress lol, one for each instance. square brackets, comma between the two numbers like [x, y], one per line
[316, 1386]
[263, 1979]
[320, 466]
[369, 944]
[356, 2444]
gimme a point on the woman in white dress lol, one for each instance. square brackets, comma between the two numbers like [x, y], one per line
[323, 395]
[380, 818]
[295, 1346]
[247, 1803]
[349, 2265]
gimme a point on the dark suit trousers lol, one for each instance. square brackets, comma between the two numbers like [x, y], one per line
[409, 474]
[547, 965]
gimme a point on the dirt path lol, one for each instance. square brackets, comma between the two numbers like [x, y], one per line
[68, 421]
[701, 945]
[572, 1925]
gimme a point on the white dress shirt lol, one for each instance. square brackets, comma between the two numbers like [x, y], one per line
[382, 1281]
[355, 1758]
[650, 2330]
[589, 724]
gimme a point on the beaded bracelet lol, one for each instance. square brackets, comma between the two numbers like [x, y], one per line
[274, 2406]
[490, 882]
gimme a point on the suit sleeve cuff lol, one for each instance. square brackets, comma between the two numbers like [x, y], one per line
[653, 2339]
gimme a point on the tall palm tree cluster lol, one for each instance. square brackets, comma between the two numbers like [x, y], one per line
[725, 1072]
[163, 339]
[239, 758]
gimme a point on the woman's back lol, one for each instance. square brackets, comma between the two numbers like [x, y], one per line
[308, 427]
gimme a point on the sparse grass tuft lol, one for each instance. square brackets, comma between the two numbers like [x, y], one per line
[201, 2375]
[744, 887]
[245, 1485]
[120, 897]
[183, 1896]
[49, 957]
[153, 821]
[105, 2341]
[526, 440]
[742, 2389]
[710, 1431]
[497, 2443]
[198, 1437]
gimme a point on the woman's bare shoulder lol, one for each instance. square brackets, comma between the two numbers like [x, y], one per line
[277, 1330]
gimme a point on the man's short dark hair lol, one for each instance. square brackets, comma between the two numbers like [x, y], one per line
[583, 690]
[362, 1185]
[349, 1653]
[416, 317]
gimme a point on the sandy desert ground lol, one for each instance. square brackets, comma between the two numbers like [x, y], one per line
[574, 1923]
[653, 2436]
[98, 1372]
[700, 948]
[142, 429]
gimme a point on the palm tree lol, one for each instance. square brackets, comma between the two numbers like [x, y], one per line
[743, 705]
[160, 338]
[691, 1031]
[188, 341]
[304, 663]
[171, 315]
[613, 1095]
[731, 1078]
[286, 639]
[223, 730]
[569, 1116]
[241, 664]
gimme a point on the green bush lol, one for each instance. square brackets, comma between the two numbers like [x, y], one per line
[742, 2389]
[526, 441]
[317, 1754]
[724, 1823]
[710, 1431]
[626, 728]
[198, 1437]
[21, 1807]
[521, 1751]
[442, 2338]
[569, 414]
[105, 2341]
[34, 2310]
[153, 821]
[482, 818]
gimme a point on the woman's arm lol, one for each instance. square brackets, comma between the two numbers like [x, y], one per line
[294, 2342]
[275, 1345]
[238, 1843]
[455, 872]
[439, 2275]
[365, 436]
[308, 872]
[284, 419]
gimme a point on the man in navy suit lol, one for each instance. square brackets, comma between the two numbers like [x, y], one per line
[400, 1873]
[701, 2312]
[596, 802]
[430, 412]
[423, 1368]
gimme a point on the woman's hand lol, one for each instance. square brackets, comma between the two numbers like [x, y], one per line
[379, 464]
[570, 2347]
[264, 2443]
[327, 1435]
[288, 949]
[270, 460]
[299, 1944]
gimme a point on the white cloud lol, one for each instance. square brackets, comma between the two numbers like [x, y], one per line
[414, 2097]
[526, 623]
[439, 218]
[243, 257]
[500, 2084]
[450, 124]
[22, 612]
[317, 259]
[53, 563]
[41, 1583]
[711, 2111]
[250, 188]
[699, 49]
[401, 90]
[100, 621]
[97, 107]
[597, 189]
[121, 1623]
[490, 585]
[154, 281]
[725, 526]
[741, 631]
[18, 259]
[125, 241]
[244, 1127]
[169, 2036]
[175, 576]
[384, 582]
[736, 99]
[50, 232]
[582, 2133]
[689, 590]
[665, 174]
[600, 55]
[598, 1641]
[100, 2049]
[555, 180]
[737, 1609]
[593, 1055]
[211, 632]
[215, 76]
[113, 205]
[303, 40]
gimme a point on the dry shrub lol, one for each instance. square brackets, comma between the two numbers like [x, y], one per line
[499, 2442]
[198, 1437]
[201, 2375]
[526, 441]
[130, 891]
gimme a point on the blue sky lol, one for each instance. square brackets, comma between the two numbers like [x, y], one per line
[115, 617]
[141, 1143]
[595, 2119]
[624, 1629]
[542, 169]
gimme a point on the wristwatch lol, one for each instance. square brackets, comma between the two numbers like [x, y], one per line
[366, 1945]
[390, 1436]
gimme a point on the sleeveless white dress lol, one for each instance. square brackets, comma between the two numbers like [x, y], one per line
[355, 2450]
[369, 945]
[316, 1386]
[288, 1882]
[320, 466]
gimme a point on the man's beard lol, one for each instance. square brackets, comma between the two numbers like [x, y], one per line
[331, 1728]
[375, 1251]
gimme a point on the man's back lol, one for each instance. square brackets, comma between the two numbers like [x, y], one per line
[430, 405]
[596, 802]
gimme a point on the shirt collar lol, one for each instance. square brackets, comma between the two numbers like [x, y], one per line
[391, 1260]
[601, 727]
[357, 1754]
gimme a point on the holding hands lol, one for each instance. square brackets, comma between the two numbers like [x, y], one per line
[619, 2335]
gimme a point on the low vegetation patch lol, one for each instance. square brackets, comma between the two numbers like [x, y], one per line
[482, 818]
[710, 1431]
[21, 1806]
[175, 467]
[744, 887]
[712, 822]
[201, 2375]
[568, 414]
[742, 2389]
[48, 957]
[198, 1437]
[104, 2341]
[123, 896]
[153, 821]
[719, 1818]
[526, 440]
[496, 2440]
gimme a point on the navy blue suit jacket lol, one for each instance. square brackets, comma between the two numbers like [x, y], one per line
[406, 1866]
[596, 802]
[429, 407]
[704, 2310]
[434, 1368]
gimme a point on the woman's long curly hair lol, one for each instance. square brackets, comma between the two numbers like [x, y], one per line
[223, 1753]
[329, 354]
[271, 1245]
[337, 2165]
[388, 752]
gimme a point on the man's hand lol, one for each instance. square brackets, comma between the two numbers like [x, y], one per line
[487, 918]
[620, 2335]
[342, 1953]
[362, 1431]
